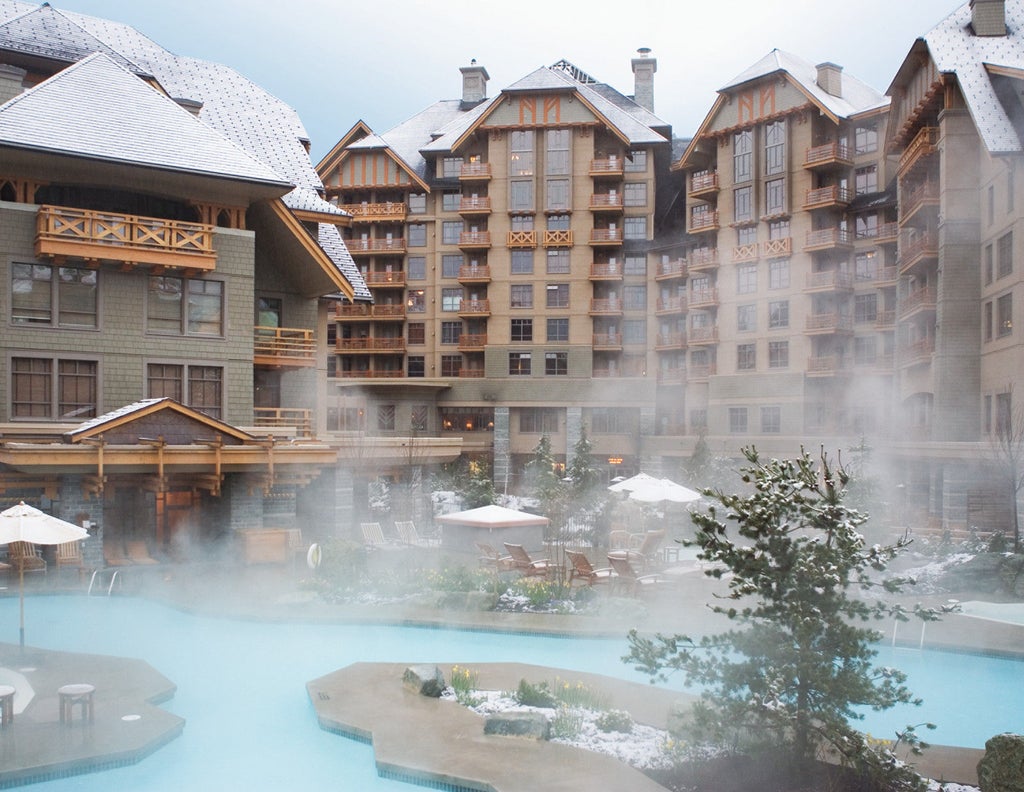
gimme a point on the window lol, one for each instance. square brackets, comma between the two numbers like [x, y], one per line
[746, 357]
[1004, 413]
[451, 167]
[60, 389]
[417, 203]
[778, 314]
[636, 161]
[742, 146]
[746, 318]
[635, 265]
[1004, 255]
[522, 330]
[775, 197]
[557, 195]
[450, 266]
[865, 266]
[417, 267]
[988, 321]
[520, 197]
[558, 261]
[746, 278]
[775, 148]
[204, 385]
[610, 420]
[201, 314]
[778, 354]
[418, 417]
[451, 230]
[451, 365]
[417, 333]
[634, 331]
[1009, 192]
[866, 226]
[778, 274]
[416, 235]
[698, 420]
[522, 222]
[386, 417]
[345, 419]
[865, 308]
[634, 194]
[450, 332]
[865, 139]
[451, 299]
[989, 265]
[742, 209]
[521, 152]
[737, 420]
[415, 301]
[416, 366]
[634, 298]
[1004, 315]
[558, 295]
[522, 262]
[556, 363]
[467, 419]
[558, 329]
[521, 295]
[865, 351]
[69, 300]
[450, 201]
[538, 420]
[634, 228]
[519, 364]
[865, 180]
[558, 222]
[557, 159]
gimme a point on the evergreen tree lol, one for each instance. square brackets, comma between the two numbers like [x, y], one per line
[479, 488]
[791, 679]
[585, 478]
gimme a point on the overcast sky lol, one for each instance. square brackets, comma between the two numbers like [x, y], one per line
[339, 61]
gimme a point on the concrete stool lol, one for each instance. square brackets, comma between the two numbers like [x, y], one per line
[6, 705]
[70, 695]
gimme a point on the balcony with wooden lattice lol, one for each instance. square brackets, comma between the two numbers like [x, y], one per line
[825, 366]
[67, 233]
[885, 320]
[917, 353]
[700, 372]
[472, 372]
[777, 248]
[284, 347]
[916, 198]
[558, 238]
[521, 239]
[741, 253]
[379, 312]
[828, 156]
[386, 212]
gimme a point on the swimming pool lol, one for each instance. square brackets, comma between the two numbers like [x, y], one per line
[276, 743]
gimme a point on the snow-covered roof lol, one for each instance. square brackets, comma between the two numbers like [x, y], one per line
[956, 50]
[857, 97]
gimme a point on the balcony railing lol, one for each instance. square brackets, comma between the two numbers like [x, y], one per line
[370, 374]
[395, 344]
[703, 182]
[703, 335]
[918, 196]
[700, 371]
[522, 239]
[363, 311]
[472, 372]
[886, 232]
[605, 270]
[917, 353]
[830, 154]
[475, 239]
[925, 142]
[475, 204]
[475, 171]
[370, 245]
[703, 298]
[704, 221]
[474, 274]
[609, 166]
[472, 342]
[777, 248]
[829, 280]
[279, 417]
[702, 259]
[284, 346]
[606, 202]
[830, 323]
[745, 252]
[475, 308]
[919, 300]
[132, 239]
[605, 306]
[387, 212]
[825, 238]
[833, 195]
[671, 269]
[674, 304]
[918, 248]
[561, 238]
[885, 320]
[607, 340]
[384, 277]
[670, 341]
[606, 236]
[824, 366]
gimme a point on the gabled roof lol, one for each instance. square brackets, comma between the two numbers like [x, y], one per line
[975, 60]
[98, 110]
[130, 413]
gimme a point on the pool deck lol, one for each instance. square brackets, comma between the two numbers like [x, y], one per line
[414, 738]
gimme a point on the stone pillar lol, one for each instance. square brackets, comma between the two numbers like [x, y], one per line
[573, 429]
[70, 505]
[936, 481]
[955, 479]
[501, 466]
[243, 500]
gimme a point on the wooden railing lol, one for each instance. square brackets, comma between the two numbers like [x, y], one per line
[924, 245]
[363, 311]
[884, 319]
[607, 339]
[703, 221]
[829, 323]
[672, 269]
[827, 196]
[777, 248]
[702, 258]
[703, 181]
[475, 170]
[926, 192]
[284, 346]
[80, 233]
[470, 204]
[746, 252]
[384, 277]
[827, 154]
[829, 237]
[396, 344]
[279, 417]
[917, 352]
[829, 279]
[701, 371]
[703, 297]
[671, 340]
[607, 166]
[370, 374]
[522, 239]
[475, 307]
[389, 211]
[916, 300]
[471, 372]
[823, 364]
[559, 238]
[475, 239]
[602, 235]
[471, 341]
[373, 245]
[923, 144]
[605, 269]
[606, 201]
[703, 335]
[676, 303]
[474, 273]
[605, 305]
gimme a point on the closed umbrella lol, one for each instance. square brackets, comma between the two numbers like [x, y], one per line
[24, 523]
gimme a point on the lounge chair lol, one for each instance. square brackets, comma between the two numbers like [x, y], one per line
[373, 536]
[618, 539]
[114, 556]
[25, 557]
[408, 534]
[69, 554]
[138, 553]
[626, 577]
[582, 569]
[646, 550]
[530, 567]
[489, 557]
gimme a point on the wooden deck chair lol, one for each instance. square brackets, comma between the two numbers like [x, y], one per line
[618, 539]
[373, 534]
[138, 553]
[627, 578]
[25, 557]
[69, 554]
[582, 569]
[408, 534]
[646, 550]
[530, 567]
[489, 557]
[114, 555]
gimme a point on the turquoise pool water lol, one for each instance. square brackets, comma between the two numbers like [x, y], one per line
[274, 742]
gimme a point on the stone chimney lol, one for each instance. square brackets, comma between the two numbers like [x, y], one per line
[830, 78]
[474, 82]
[11, 82]
[644, 68]
[988, 17]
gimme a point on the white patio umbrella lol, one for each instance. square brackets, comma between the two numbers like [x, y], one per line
[648, 489]
[24, 523]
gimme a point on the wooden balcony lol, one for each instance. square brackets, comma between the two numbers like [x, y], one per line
[606, 202]
[703, 336]
[64, 232]
[605, 307]
[666, 342]
[371, 345]
[605, 237]
[605, 271]
[703, 183]
[475, 308]
[671, 305]
[361, 311]
[918, 197]
[777, 248]
[917, 354]
[829, 281]
[671, 270]
[470, 205]
[387, 212]
[830, 155]
[370, 245]
[828, 239]
[886, 277]
[703, 298]
[522, 239]
[742, 253]
[833, 197]
[918, 251]
[882, 234]
[885, 320]
[475, 171]
[701, 371]
[606, 342]
[918, 301]
[561, 238]
[475, 240]
[472, 342]
[474, 274]
[371, 374]
[704, 221]
[384, 279]
[284, 347]
[829, 324]
[608, 166]
[702, 260]
[281, 417]
[825, 366]
[924, 144]
[604, 372]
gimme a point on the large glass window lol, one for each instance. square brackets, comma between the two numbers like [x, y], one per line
[634, 228]
[635, 265]
[634, 331]
[865, 180]
[742, 207]
[865, 308]
[746, 278]
[865, 350]
[416, 366]
[558, 222]
[451, 299]
[47, 388]
[185, 307]
[521, 295]
[521, 153]
[522, 262]
[538, 420]
[611, 420]
[778, 354]
[778, 274]
[636, 162]
[467, 419]
[56, 296]
[416, 235]
[771, 420]
[450, 266]
[417, 267]
[417, 203]
[450, 332]
[746, 357]
[634, 298]
[450, 201]
[737, 420]
[451, 167]
[558, 295]
[865, 266]
[415, 301]
[778, 314]
[865, 139]
[451, 230]
[519, 364]
[558, 195]
[742, 148]
[558, 329]
[520, 195]
[416, 333]
[556, 363]
[1004, 315]
[521, 330]
[206, 389]
[746, 318]
[775, 148]
[451, 365]
[557, 157]
[634, 194]
[558, 261]
[1004, 255]
[775, 197]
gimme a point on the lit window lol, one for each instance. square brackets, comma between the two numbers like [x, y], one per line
[519, 364]
[202, 313]
[1004, 315]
